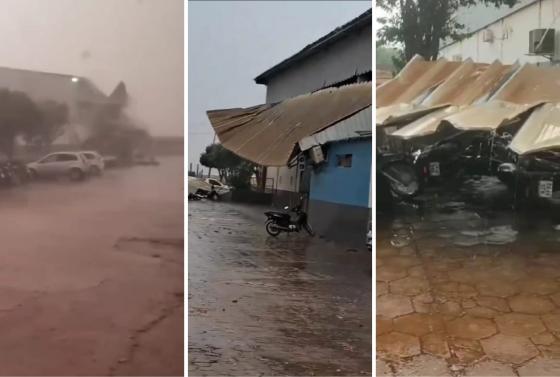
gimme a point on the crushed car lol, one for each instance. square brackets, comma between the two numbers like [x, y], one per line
[200, 188]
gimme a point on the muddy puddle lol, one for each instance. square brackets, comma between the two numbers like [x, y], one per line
[479, 212]
[468, 286]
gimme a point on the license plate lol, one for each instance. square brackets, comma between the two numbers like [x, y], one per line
[434, 169]
[545, 189]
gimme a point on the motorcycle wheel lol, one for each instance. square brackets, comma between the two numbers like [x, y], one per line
[307, 227]
[272, 229]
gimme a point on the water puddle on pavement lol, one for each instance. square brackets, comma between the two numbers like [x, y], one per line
[467, 285]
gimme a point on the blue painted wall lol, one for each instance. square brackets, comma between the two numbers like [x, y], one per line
[349, 186]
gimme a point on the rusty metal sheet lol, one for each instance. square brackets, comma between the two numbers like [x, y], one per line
[414, 81]
[268, 134]
[487, 116]
[401, 113]
[469, 83]
[540, 131]
[426, 125]
[531, 84]
[465, 84]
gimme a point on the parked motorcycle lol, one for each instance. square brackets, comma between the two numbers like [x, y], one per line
[278, 222]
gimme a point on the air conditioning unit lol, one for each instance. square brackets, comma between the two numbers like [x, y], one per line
[541, 41]
[487, 36]
[317, 155]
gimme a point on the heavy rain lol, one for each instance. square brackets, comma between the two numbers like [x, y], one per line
[91, 188]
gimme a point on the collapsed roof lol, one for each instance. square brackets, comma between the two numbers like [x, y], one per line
[466, 95]
[269, 134]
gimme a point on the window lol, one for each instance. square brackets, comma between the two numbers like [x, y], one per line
[90, 156]
[214, 182]
[66, 157]
[344, 160]
[51, 158]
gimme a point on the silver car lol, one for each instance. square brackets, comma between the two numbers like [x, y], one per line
[70, 164]
[96, 162]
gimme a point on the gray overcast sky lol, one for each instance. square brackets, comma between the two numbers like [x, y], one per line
[138, 41]
[231, 42]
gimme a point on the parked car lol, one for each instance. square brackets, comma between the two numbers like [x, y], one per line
[110, 161]
[74, 165]
[396, 179]
[218, 186]
[96, 162]
[465, 153]
[199, 187]
[535, 176]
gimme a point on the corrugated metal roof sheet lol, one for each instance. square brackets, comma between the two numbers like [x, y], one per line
[356, 126]
[268, 134]
[540, 131]
[382, 76]
[462, 84]
[476, 97]
[414, 81]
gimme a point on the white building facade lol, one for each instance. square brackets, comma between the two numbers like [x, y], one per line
[340, 57]
[506, 37]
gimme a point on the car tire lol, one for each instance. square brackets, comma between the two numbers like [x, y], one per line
[76, 174]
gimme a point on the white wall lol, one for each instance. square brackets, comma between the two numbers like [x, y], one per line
[340, 61]
[511, 36]
[344, 59]
[284, 178]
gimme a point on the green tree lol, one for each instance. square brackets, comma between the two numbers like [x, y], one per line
[54, 116]
[19, 116]
[420, 25]
[232, 169]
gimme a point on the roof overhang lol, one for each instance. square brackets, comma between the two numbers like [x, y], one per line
[268, 134]
[357, 126]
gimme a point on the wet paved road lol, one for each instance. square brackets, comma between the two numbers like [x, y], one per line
[465, 290]
[91, 278]
[265, 306]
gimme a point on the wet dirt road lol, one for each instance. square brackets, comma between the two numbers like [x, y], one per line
[265, 306]
[91, 275]
[468, 287]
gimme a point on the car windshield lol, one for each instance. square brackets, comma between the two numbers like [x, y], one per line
[90, 156]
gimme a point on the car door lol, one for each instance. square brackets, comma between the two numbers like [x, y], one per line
[63, 163]
[46, 166]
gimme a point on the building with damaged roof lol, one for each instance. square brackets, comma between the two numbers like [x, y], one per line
[318, 104]
[82, 97]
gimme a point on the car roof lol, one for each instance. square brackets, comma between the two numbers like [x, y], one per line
[63, 152]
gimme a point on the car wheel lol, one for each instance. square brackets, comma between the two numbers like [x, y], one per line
[76, 174]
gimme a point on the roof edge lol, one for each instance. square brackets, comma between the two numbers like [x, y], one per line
[310, 49]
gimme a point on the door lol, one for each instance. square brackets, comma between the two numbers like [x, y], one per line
[46, 166]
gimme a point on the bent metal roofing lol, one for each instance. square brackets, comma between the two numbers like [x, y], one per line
[471, 96]
[269, 134]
